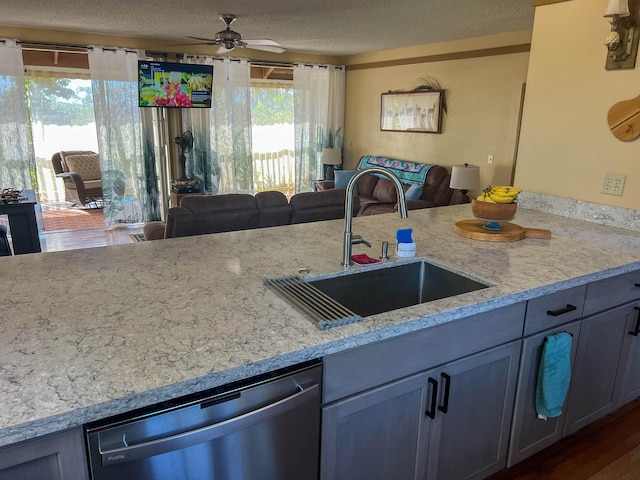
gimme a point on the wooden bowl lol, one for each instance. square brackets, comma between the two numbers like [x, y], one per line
[493, 211]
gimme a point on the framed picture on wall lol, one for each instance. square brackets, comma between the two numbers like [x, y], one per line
[412, 111]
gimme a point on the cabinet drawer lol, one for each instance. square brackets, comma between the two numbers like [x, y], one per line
[611, 292]
[554, 309]
[366, 367]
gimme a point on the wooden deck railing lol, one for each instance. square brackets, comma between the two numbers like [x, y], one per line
[274, 171]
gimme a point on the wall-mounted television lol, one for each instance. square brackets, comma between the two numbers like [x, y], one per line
[175, 85]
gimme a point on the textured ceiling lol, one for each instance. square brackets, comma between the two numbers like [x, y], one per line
[334, 27]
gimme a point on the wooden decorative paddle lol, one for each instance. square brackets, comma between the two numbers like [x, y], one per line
[624, 119]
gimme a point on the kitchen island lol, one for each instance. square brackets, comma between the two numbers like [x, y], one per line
[88, 334]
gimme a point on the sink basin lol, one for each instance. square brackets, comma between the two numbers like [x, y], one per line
[368, 292]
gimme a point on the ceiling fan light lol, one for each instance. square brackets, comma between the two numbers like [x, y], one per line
[617, 7]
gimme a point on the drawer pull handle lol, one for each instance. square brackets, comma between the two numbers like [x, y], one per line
[431, 411]
[444, 408]
[637, 329]
[562, 311]
[637, 284]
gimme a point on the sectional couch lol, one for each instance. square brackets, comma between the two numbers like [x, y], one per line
[199, 214]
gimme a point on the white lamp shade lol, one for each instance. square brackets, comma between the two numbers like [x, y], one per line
[617, 7]
[465, 177]
[332, 156]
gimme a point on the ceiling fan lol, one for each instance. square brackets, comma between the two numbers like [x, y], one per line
[228, 39]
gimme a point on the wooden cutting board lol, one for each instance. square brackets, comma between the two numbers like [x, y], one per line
[510, 232]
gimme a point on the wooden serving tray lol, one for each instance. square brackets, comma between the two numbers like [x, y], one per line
[510, 232]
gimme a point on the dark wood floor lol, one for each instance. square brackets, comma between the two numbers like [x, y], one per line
[582, 455]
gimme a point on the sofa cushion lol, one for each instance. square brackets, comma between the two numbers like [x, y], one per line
[318, 206]
[274, 208]
[414, 192]
[367, 184]
[385, 191]
[85, 165]
[367, 202]
[153, 230]
[342, 177]
[218, 213]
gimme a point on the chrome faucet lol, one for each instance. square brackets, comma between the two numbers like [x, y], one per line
[348, 208]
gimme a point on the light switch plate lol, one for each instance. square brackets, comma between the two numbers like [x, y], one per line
[613, 184]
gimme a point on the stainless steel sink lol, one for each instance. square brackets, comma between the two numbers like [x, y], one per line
[371, 291]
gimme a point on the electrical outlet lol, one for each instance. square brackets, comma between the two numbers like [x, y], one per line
[490, 159]
[613, 184]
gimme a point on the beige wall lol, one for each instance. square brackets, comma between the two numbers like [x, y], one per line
[483, 97]
[566, 146]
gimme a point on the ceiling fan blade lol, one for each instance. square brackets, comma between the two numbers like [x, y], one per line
[204, 39]
[266, 48]
[262, 41]
[188, 44]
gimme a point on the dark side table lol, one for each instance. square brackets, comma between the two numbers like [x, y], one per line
[23, 225]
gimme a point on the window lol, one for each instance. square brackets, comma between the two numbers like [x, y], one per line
[272, 97]
[62, 118]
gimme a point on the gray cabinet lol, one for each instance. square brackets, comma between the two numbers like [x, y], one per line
[529, 434]
[628, 384]
[446, 423]
[605, 359]
[593, 377]
[613, 361]
[378, 434]
[54, 457]
[469, 435]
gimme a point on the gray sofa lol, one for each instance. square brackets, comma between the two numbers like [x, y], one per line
[199, 214]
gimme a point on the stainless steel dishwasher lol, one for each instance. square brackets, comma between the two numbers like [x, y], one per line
[268, 428]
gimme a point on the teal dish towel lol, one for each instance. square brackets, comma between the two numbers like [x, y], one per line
[554, 375]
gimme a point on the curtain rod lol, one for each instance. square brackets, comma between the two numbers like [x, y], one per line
[258, 63]
[69, 48]
[261, 63]
[337, 67]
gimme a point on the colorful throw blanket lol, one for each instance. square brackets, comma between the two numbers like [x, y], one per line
[407, 172]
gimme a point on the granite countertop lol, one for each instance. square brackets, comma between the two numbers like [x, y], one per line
[91, 333]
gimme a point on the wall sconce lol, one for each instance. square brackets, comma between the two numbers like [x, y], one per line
[330, 158]
[622, 41]
[464, 178]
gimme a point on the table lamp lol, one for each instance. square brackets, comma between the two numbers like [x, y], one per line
[464, 178]
[330, 158]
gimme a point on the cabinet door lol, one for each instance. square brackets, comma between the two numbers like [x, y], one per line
[54, 457]
[469, 437]
[593, 378]
[628, 385]
[375, 434]
[529, 434]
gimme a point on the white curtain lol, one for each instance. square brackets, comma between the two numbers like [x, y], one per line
[335, 120]
[114, 79]
[222, 159]
[17, 158]
[318, 117]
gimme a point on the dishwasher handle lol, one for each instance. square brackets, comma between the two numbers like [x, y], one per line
[209, 432]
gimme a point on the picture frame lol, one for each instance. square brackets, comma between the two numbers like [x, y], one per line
[418, 111]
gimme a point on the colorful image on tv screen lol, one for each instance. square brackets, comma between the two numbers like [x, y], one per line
[182, 85]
